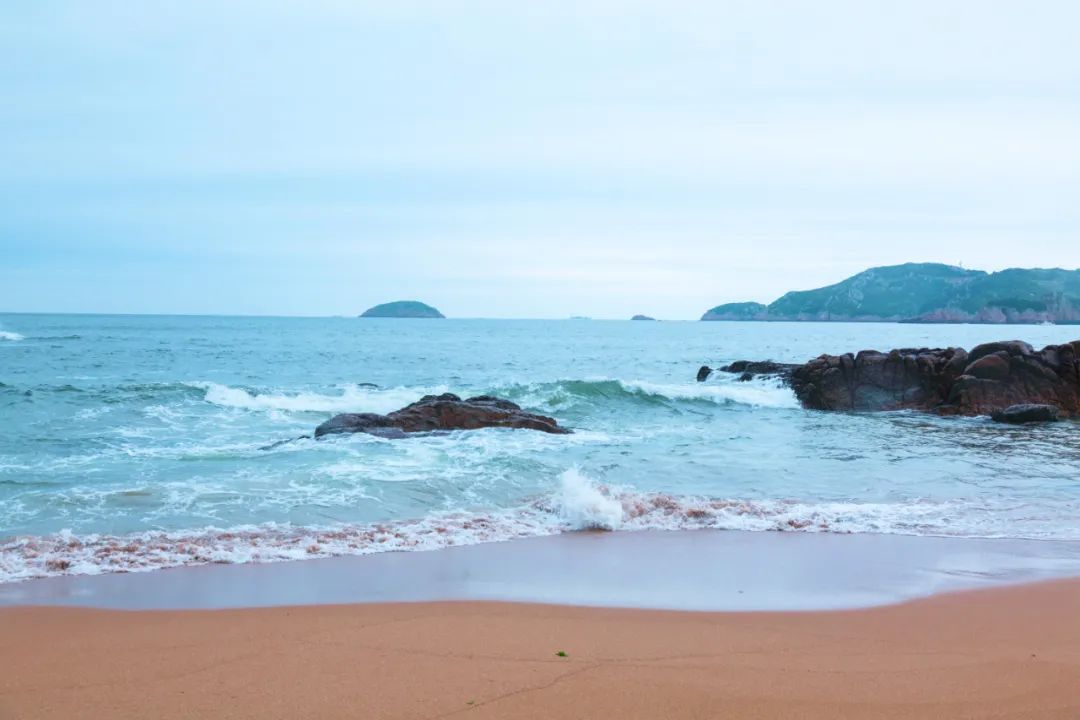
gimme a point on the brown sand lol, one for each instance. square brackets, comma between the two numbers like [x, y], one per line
[1003, 653]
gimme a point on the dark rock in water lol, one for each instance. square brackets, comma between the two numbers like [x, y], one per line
[1030, 413]
[441, 412]
[703, 373]
[402, 309]
[280, 443]
[643, 317]
[989, 379]
[749, 369]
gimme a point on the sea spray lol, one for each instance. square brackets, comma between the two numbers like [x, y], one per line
[12, 336]
[351, 398]
[602, 391]
[582, 505]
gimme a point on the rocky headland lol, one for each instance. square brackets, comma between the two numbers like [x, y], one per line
[926, 292]
[1010, 380]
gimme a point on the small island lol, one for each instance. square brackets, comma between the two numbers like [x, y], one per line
[643, 317]
[402, 309]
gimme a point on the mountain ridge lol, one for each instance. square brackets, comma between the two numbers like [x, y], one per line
[926, 292]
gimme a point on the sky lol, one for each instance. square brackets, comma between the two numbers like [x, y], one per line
[494, 159]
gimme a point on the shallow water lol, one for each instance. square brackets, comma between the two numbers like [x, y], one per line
[135, 442]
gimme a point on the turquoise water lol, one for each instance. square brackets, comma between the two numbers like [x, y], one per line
[135, 442]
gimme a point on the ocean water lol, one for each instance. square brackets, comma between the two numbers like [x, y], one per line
[140, 442]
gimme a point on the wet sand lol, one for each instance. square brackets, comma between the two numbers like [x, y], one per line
[684, 570]
[1011, 652]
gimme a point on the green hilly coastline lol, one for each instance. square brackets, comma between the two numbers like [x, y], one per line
[927, 292]
[402, 309]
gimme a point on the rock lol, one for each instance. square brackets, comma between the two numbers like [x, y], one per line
[643, 317]
[703, 373]
[749, 369]
[280, 443]
[989, 379]
[402, 309]
[991, 367]
[441, 412]
[1029, 413]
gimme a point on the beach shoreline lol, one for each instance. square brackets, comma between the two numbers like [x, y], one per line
[1004, 652]
[705, 570]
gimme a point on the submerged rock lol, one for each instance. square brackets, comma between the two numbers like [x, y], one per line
[990, 379]
[1030, 413]
[441, 412]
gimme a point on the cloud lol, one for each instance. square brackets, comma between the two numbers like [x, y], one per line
[701, 151]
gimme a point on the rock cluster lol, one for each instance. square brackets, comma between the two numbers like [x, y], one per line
[990, 379]
[441, 412]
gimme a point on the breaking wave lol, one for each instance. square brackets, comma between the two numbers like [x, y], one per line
[578, 504]
[350, 398]
[760, 392]
[12, 336]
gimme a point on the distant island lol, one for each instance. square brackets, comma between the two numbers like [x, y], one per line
[643, 317]
[928, 293]
[402, 309]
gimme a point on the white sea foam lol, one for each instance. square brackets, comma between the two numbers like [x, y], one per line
[579, 503]
[12, 336]
[583, 506]
[351, 398]
[760, 392]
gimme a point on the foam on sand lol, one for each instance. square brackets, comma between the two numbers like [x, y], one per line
[578, 503]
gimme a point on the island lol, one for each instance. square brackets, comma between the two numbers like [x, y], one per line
[643, 317]
[926, 293]
[402, 309]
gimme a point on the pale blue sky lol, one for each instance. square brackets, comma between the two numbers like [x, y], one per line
[598, 158]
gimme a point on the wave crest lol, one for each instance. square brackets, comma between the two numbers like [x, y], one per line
[11, 336]
[351, 398]
[578, 504]
[760, 392]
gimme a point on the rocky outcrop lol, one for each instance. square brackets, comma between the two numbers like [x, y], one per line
[990, 379]
[748, 370]
[441, 412]
[643, 317]
[1022, 414]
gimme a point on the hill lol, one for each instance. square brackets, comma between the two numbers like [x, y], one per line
[927, 292]
[402, 309]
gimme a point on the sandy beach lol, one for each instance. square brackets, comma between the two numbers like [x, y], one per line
[1010, 652]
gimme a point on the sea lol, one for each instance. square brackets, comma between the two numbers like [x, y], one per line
[132, 443]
